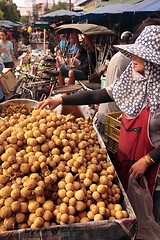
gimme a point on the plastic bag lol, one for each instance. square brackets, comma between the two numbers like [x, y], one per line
[142, 203]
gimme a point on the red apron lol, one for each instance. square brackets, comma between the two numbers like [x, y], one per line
[134, 143]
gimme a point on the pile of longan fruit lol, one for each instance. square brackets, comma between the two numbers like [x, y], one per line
[53, 171]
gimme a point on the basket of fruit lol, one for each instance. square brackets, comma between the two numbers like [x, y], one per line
[23, 106]
[57, 182]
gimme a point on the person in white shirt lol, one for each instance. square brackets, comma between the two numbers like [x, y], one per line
[116, 67]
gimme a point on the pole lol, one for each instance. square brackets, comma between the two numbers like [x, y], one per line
[69, 5]
[44, 41]
[47, 5]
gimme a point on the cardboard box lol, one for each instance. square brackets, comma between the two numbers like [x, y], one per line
[8, 81]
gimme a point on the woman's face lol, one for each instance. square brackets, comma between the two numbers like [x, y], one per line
[138, 64]
[3, 36]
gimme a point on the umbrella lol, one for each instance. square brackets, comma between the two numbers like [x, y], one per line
[87, 29]
[59, 15]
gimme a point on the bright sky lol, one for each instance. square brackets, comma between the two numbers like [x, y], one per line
[26, 5]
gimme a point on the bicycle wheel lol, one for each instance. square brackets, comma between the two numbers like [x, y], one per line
[19, 85]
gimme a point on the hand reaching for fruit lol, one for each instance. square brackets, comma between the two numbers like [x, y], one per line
[51, 103]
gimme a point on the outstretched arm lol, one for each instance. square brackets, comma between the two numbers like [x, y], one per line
[87, 98]
[83, 98]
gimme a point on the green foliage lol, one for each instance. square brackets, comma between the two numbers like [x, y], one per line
[60, 5]
[1, 15]
[24, 19]
[10, 11]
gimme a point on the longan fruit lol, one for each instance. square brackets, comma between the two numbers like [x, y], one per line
[62, 193]
[93, 187]
[48, 205]
[125, 214]
[80, 206]
[94, 209]
[8, 201]
[15, 206]
[110, 206]
[95, 177]
[69, 178]
[101, 188]
[111, 170]
[117, 207]
[69, 186]
[24, 207]
[36, 133]
[90, 215]
[98, 217]
[119, 214]
[103, 180]
[64, 218]
[55, 151]
[72, 201]
[25, 168]
[80, 195]
[10, 151]
[63, 208]
[38, 222]
[40, 199]
[87, 182]
[47, 215]
[71, 219]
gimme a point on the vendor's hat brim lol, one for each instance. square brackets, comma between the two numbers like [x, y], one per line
[139, 50]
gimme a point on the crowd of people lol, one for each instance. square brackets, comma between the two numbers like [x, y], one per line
[23, 36]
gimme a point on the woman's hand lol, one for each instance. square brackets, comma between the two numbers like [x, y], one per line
[51, 103]
[139, 168]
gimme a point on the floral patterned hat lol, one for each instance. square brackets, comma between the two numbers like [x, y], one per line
[146, 46]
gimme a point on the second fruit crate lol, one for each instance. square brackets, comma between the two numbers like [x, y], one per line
[112, 125]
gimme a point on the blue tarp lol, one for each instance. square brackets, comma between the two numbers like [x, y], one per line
[144, 6]
[59, 14]
[8, 24]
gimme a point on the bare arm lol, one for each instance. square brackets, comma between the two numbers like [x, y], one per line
[11, 52]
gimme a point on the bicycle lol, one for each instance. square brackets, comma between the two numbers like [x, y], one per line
[34, 87]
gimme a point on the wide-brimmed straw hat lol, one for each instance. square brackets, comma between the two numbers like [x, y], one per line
[146, 46]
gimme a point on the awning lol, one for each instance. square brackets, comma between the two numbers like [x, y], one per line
[110, 9]
[8, 24]
[41, 24]
[104, 3]
[144, 6]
